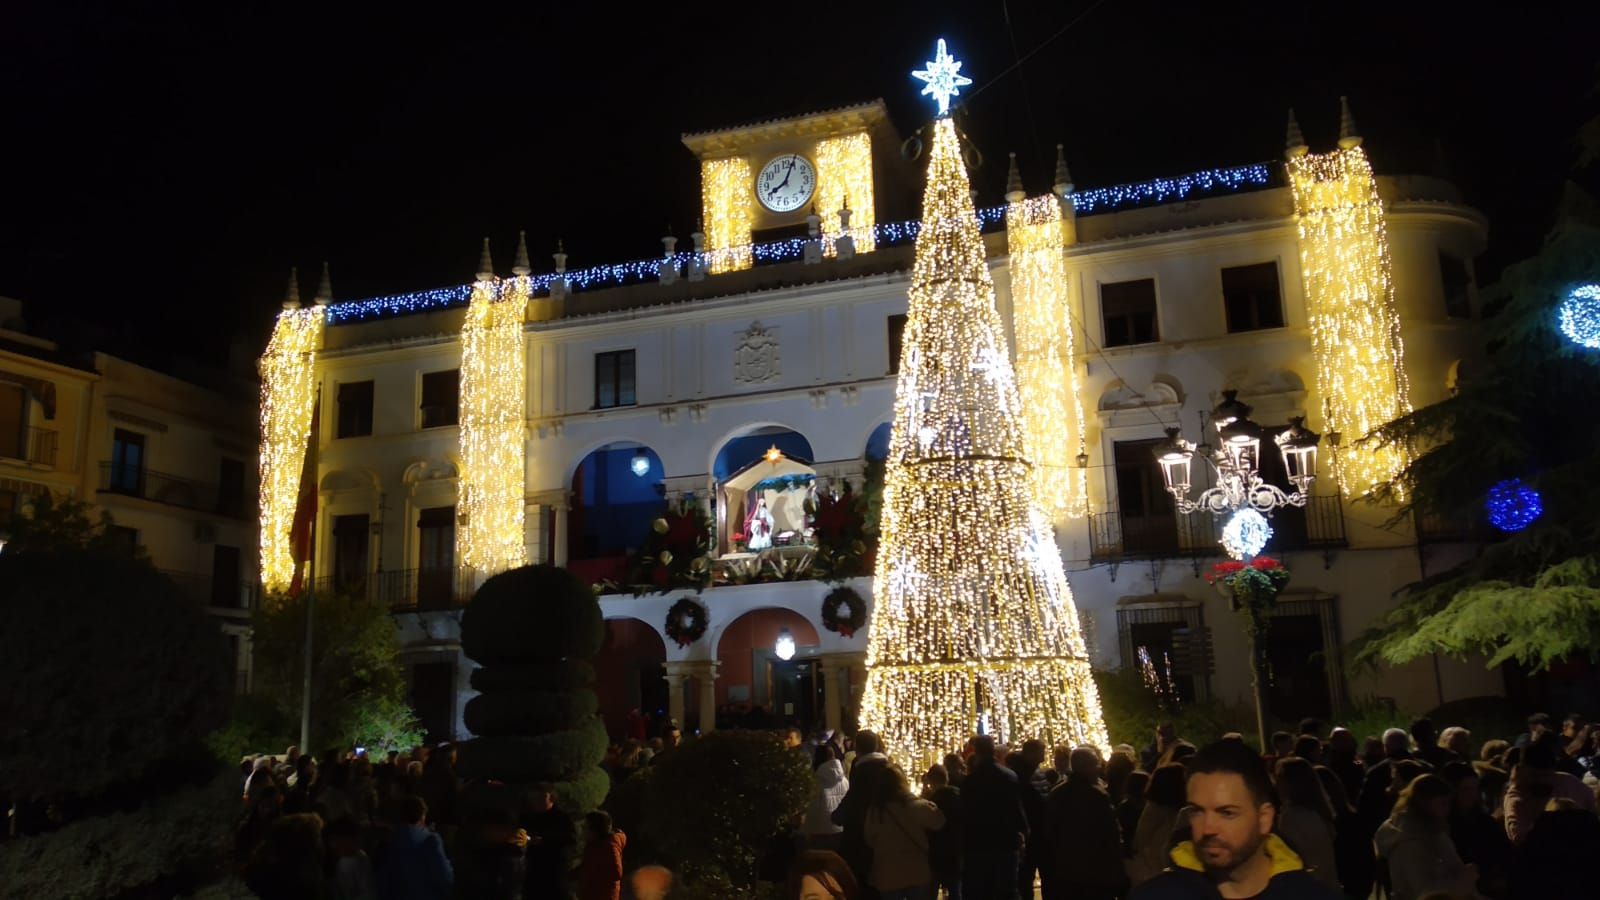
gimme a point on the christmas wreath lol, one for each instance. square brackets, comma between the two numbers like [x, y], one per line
[686, 621]
[853, 607]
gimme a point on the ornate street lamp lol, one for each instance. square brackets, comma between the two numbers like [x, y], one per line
[1239, 492]
[1241, 495]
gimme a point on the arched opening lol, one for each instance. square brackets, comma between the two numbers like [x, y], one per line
[758, 689]
[763, 480]
[877, 449]
[617, 491]
[629, 670]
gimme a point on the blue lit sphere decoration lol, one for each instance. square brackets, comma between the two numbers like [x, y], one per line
[1580, 316]
[1513, 505]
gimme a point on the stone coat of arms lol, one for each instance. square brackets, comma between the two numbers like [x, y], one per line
[755, 358]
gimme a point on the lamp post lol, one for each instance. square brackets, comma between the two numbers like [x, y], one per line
[1240, 494]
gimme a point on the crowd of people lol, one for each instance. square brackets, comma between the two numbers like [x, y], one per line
[1409, 815]
[406, 828]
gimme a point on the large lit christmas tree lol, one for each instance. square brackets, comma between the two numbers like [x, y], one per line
[974, 626]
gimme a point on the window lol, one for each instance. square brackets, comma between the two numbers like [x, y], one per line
[1250, 294]
[127, 462]
[13, 422]
[1143, 504]
[1457, 287]
[613, 379]
[897, 330]
[436, 556]
[350, 544]
[225, 578]
[355, 408]
[440, 391]
[1173, 638]
[230, 487]
[1128, 309]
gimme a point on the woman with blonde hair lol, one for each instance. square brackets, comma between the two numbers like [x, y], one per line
[896, 828]
[1416, 844]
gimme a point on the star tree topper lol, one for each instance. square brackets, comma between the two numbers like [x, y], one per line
[944, 78]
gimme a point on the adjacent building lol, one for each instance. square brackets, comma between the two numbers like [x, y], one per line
[170, 460]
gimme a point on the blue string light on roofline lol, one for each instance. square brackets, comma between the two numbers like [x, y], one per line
[1512, 505]
[888, 234]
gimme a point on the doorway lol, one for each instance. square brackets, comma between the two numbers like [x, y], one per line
[795, 688]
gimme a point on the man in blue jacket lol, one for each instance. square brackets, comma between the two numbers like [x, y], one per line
[414, 867]
[1232, 853]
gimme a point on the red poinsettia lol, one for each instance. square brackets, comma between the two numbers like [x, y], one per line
[1266, 563]
[1223, 569]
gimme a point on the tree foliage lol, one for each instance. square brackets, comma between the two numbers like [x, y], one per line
[66, 524]
[1523, 411]
[110, 673]
[712, 804]
[358, 690]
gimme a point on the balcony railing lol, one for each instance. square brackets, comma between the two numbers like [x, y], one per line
[1112, 536]
[33, 445]
[205, 590]
[405, 590]
[159, 487]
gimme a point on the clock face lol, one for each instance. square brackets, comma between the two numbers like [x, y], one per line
[786, 183]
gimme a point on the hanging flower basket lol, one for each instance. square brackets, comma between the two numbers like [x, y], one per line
[686, 622]
[844, 611]
[1250, 587]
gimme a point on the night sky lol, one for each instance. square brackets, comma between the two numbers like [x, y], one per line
[168, 162]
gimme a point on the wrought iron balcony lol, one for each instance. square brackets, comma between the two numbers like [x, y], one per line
[31, 445]
[173, 490]
[1113, 536]
[405, 590]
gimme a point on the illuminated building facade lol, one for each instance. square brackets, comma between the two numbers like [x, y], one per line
[752, 367]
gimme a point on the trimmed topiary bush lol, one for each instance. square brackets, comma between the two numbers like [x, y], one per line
[532, 630]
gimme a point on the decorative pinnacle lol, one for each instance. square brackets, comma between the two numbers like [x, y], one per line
[1295, 144]
[1348, 138]
[485, 263]
[325, 288]
[1063, 183]
[1014, 190]
[291, 297]
[522, 268]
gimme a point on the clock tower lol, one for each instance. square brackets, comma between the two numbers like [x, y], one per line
[760, 182]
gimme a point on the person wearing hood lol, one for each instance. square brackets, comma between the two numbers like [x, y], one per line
[1415, 842]
[1232, 852]
[851, 814]
[829, 787]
